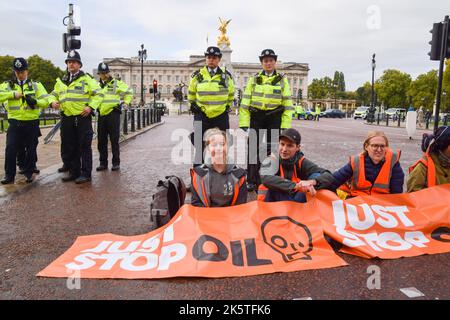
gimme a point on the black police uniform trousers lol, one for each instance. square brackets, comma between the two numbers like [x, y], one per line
[21, 153]
[21, 134]
[109, 125]
[261, 122]
[76, 139]
[222, 122]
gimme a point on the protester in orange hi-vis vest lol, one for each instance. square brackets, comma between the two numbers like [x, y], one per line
[434, 167]
[217, 183]
[376, 170]
[289, 176]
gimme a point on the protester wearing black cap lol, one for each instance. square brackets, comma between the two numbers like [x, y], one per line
[77, 95]
[290, 175]
[24, 100]
[434, 167]
[211, 93]
[266, 108]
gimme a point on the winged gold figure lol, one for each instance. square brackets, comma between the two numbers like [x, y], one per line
[223, 39]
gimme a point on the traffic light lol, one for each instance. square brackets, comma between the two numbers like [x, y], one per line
[300, 94]
[436, 41]
[70, 41]
[155, 86]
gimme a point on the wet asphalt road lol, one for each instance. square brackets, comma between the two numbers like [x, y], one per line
[41, 222]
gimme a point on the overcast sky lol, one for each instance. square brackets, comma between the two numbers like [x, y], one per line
[328, 35]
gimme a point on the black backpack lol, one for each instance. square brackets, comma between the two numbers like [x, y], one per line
[167, 200]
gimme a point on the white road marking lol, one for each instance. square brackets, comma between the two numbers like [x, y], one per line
[304, 298]
[412, 292]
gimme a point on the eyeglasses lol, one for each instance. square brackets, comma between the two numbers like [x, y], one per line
[377, 146]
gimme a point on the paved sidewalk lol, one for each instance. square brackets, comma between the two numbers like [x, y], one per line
[49, 159]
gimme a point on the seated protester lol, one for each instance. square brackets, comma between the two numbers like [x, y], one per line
[434, 167]
[376, 170]
[288, 176]
[217, 183]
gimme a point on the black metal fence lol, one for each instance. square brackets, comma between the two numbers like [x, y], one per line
[133, 119]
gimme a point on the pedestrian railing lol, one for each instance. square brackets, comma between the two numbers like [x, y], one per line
[132, 119]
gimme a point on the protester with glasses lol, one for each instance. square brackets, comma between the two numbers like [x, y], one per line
[376, 170]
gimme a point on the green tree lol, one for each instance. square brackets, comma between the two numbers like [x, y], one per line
[364, 94]
[40, 70]
[6, 63]
[316, 89]
[423, 90]
[44, 71]
[446, 87]
[392, 88]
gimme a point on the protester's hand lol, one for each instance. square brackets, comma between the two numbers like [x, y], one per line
[306, 186]
[17, 95]
[55, 105]
[86, 111]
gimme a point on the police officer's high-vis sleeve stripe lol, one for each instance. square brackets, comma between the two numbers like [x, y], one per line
[246, 96]
[258, 94]
[14, 108]
[290, 108]
[257, 103]
[111, 101]
[245, 107]
[43, 96]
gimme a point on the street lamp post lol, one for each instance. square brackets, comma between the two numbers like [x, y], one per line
[371, 113]
[142, 57]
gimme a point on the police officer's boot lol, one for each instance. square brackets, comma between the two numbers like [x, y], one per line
[69, 178]
[82, 179]
[64, 168]
[102, 167]
[7, 180]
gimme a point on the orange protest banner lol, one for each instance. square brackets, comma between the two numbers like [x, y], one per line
[254, 238]
[389, 226]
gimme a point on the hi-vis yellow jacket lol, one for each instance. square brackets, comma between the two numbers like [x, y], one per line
[212, 95]
[114, 93]
[81, 92]
[266, 94]
[18, 109]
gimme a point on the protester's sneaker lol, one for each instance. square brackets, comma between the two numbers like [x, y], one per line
[101, 168]
[29, 179]
[82, 179]
[115, 167]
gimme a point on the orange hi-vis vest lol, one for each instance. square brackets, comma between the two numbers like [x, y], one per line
[428, 162]
[360, 186]
[201, 186]
[262, 189]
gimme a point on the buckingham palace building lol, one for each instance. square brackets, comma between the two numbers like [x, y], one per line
[173, 74]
